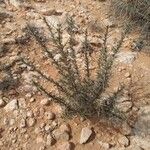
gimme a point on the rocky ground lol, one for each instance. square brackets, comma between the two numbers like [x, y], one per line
[31, 121]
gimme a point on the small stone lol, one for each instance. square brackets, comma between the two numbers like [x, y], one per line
[12, 122]
[62, 136]
[31, 122]
[125, 106]
[45, 101]
[28, 95]
[65, 146]
[126, 129]
[30, 114]
[47, 127]
[127, 75]
[2, 102]
[85, 135]
[65, 128]
[39, 140]
[22, 123]
[12, 105]
[123, 140]
[49, 115]
[32, 100]
[49, 140]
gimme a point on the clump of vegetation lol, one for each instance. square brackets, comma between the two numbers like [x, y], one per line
[137, 12]
[80, 92]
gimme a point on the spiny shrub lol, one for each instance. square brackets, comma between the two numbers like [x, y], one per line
[135, 11]
[80, 92]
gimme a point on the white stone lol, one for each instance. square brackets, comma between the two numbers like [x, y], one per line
[31, 122]
[124, 106]
[123, 140]
[12, 105]
[45, 101]
[126, 57]
[57, 57]
[85, 135]
[15, 3]
[49, 140]
[53, 21]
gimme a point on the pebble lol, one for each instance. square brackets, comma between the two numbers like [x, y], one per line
[31, 122]
[65, 128]
[49, 140]
[45, 102]
[49, 115]
[12, 105]
[123, 140]
[85, 135]
[22, 123]
[62, 136]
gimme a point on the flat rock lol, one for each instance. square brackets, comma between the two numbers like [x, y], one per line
[12, 105]
[126, 57]
[85, 135]
[124, 106]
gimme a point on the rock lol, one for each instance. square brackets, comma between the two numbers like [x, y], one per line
[22, 103]
[49, 115]
[12, 105]
[65, 128]
[126, 57]
[123, 140]
[127, 75]
[32, 99]
[45, 102]
[142, 125]
[16, 3]
[22, 123]
[65, 146]
[85, 135]
[2, 102]
[30, 114]
[103, 145]
[109, 22]
[124, 106]
[53, 21]
[31, 122]
[126, 129]
[144, 143]
[57, 57]
[60, 135]
[49, 140]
